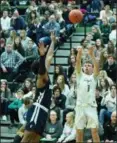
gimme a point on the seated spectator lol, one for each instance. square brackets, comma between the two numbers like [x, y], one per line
[113, 33]
[89, 37]
[59, 98]
[58, 71]
[71, 98]
[105, 30]
[61, 83]
[10, 62]
[98, 99]
[52, 25]
[69, 132]
[110, 67]
[22, 111]
[72, 63]
[24, 39]
[96, 33]
[17, 22]
[109, 101]
[18, 46]
[27, 86]
[111, 48]
[106, 13]
[12, 37]
[5, 95]
[31, 52]
[53, 128]
[30, 94]
[5, 5]
[103, 75]
[104, 87]
[14, 107]
[110, 132]
[5, 22]
[2, 45]
[32, 22]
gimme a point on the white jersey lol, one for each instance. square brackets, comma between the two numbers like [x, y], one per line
[86, 86]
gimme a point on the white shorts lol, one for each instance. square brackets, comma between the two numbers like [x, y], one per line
[86, 117]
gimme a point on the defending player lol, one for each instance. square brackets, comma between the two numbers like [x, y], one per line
[38, 113]
[86, 108]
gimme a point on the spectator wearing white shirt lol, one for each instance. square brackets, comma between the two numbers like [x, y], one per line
[112, 35]
[23, 110]
[110, 102]
[5, 22]
[69, 132]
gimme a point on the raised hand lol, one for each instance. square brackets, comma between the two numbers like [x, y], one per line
[53, 37]
[79, 50]
[42, 49]
[91, 50]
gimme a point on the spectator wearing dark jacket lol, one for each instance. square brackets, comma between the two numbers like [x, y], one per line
[110, 129]
[111, 68]
[17, 22]
[59, 98]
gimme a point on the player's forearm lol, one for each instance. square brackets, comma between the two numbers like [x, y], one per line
[78, 63]
[96, 66]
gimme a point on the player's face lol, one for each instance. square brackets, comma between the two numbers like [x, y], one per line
[88, 69]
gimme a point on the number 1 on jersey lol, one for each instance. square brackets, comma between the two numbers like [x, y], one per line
[88, 89]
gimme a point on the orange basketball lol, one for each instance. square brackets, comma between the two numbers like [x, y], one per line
[75, 16]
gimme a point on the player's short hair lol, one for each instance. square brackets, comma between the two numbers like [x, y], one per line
[88, 62]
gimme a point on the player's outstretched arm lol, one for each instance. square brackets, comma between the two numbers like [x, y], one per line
[96, 66]
[78, 60]
[50, 53]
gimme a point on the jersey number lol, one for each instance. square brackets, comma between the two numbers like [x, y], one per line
[88, 88]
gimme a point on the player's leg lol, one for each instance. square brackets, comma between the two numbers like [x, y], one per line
[80, 122]
[92, 123]
[30, 137]
[95, 135]
[79, 135]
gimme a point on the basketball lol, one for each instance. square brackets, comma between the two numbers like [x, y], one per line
[75, 16]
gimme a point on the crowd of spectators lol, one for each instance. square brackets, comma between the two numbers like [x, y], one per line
[20, 35]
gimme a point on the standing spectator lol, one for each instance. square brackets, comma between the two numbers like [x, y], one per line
[5, 95]
[10, 62]
[5, 22]
[110, 129]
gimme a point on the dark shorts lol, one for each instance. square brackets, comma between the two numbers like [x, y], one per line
[38, 113]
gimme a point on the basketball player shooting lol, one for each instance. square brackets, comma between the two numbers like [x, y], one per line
[86, 108]
[38, 113]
